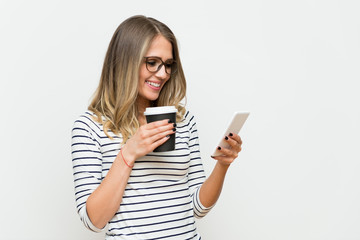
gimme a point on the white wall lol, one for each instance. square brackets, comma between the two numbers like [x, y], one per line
[293, 64]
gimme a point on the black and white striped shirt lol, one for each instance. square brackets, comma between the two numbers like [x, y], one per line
[161, 199]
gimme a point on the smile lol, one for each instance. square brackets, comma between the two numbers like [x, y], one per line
[152, 84]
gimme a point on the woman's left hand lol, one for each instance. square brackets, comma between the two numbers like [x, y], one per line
[229, 154]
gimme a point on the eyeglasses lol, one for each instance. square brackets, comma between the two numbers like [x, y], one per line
[154, 64]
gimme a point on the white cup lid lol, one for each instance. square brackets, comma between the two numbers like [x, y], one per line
[160, 110]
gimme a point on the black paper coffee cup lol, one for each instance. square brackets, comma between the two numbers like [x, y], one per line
[153, 114]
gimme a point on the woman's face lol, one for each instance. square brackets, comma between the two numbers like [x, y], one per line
[150, 84]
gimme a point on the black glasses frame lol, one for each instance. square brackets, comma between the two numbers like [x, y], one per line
[173, 65]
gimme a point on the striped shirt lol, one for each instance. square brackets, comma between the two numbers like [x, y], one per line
[161, 199]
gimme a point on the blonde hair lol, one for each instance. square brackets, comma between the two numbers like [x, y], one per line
[114, 101]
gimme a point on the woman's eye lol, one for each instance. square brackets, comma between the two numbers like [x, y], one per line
[151, 63]
[169, 63]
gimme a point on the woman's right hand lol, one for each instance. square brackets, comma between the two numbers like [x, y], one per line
[147, 138]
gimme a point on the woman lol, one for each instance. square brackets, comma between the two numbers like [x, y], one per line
[119, 180]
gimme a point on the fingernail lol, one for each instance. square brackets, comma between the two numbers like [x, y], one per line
[174, 124]
[219, 148]
[230, 134]
[168, 136]
[226, 138]
[174, 129]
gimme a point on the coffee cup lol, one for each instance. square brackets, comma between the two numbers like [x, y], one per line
[153, 114]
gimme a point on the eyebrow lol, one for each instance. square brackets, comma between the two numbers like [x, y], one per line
[160, 58]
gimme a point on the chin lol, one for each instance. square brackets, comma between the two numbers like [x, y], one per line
[152, 97]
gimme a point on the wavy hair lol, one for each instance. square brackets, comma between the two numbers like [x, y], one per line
[114, 101]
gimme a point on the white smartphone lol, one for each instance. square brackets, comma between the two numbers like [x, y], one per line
[234, 126]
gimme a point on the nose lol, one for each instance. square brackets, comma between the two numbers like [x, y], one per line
[161, 73]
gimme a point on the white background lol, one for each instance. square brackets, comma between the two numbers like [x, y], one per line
[293, 64]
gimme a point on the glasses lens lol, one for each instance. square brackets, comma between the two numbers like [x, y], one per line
[170, 67]
[152, 64]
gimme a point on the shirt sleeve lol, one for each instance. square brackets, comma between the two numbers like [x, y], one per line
[196, 170]
[87, 165]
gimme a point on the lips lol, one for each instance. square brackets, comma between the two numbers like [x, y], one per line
[153, 85]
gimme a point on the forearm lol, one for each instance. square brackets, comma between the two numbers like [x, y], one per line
[211, 188]
[104, 202]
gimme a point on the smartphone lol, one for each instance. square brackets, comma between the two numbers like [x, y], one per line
[234, 126]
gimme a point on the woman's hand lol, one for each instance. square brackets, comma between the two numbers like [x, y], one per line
[147, 138]
[229, 154]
